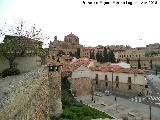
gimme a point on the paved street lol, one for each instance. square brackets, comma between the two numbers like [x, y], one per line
[152, 100]
[122, 107]
[154, 83]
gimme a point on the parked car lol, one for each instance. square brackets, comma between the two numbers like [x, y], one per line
[107, 93]
[97, 94]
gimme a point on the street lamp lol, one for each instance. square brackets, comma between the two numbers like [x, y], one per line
[150, 111]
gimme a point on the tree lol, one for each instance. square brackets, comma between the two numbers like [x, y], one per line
[109, 56]
[128, 60]
[78, 52]
[156, 71]
[98, 56]
[60, 53]
[139, 63]
[105, 55]
[112, 57]
[20, 42]
[92, 55]
[151, 64]
[71, 54]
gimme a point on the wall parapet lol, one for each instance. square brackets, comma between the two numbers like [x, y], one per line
[25, 96]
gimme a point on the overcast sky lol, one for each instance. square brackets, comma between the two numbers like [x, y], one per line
[93, 24]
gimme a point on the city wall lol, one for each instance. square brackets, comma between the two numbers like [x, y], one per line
[24, 64]
[26, 96]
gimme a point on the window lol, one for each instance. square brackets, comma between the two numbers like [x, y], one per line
[129, 80]
[106, 77]
[96, 76]
[106, 84]
[96, 79]
[117, 85]
[117, 78]
[117, 81]
[129, 87]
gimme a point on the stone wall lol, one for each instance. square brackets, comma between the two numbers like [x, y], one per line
[25, 96]
[23, 63]
[81, 86]
[121, 89]
[55, 104]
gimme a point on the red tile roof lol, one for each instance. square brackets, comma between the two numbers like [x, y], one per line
[117, 69]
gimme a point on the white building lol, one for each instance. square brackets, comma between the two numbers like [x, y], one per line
[119, 80]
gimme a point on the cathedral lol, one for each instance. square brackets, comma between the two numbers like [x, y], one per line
[68, 46]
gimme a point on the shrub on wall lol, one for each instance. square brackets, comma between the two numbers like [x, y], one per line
[10, 72]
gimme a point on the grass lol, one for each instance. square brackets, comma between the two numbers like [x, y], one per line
[74, 110]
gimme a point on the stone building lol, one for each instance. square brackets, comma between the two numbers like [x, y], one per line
[86, 52]
[131, 53]
[153, 46]
[119, 80]
[144, 61]
[132, 56]
[68, 46]
[81, 83]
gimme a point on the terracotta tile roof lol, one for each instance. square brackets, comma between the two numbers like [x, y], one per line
[117, 69]
[76, 64]
[67, 69]
[80, 62]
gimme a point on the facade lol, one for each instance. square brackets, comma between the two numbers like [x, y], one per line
[153, 46]
[86, 52]
[131, 53]
[144, 61]
[155, 61]
[119, 80]
[68, 46]
[81, 83]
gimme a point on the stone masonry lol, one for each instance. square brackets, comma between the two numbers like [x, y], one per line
[81, 86]
[55, 104]
[26, 96]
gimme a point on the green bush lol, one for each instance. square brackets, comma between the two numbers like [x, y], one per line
[74, 110]
[10, 72]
